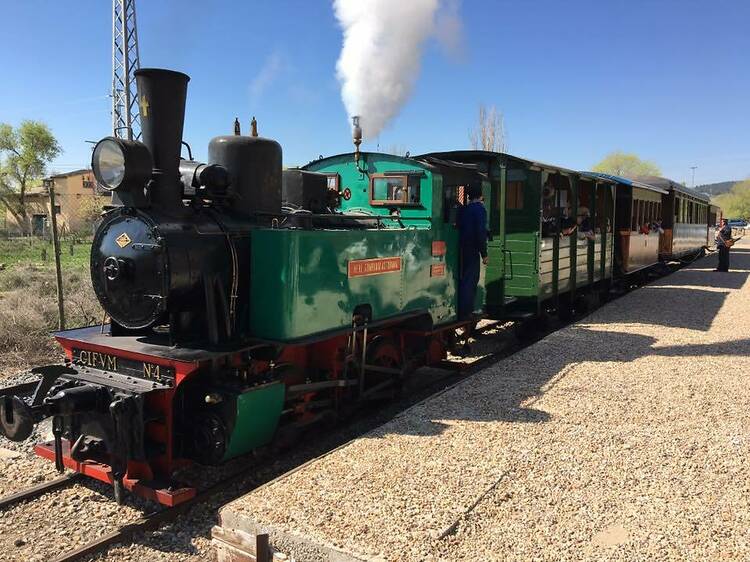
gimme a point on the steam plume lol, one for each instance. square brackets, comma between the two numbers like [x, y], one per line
[380, 57]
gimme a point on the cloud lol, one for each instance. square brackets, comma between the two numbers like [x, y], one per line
[272, 68]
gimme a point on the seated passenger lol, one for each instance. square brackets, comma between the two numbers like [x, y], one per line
[567, 224]
[644, 229]
[548, 227]
[656, 227]
[584, 223]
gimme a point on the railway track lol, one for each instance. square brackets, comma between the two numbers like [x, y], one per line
[124, 534]
[38, 490]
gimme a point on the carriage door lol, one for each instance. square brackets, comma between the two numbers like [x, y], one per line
[495, 199]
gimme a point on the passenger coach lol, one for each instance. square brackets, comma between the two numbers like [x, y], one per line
[557, 241]
[687, 219]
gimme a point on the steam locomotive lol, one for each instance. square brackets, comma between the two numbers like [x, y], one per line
[230, 313]
[247, 302]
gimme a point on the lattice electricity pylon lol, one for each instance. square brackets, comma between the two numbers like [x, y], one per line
[125, 61]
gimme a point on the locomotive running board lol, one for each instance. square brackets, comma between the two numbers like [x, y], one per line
[157, 492]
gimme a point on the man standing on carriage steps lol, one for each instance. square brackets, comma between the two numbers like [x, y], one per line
[473, 235]
[724, 236]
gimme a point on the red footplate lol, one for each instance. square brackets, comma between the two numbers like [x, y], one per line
[163, 494]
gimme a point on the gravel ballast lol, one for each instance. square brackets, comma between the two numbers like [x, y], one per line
[621, 437]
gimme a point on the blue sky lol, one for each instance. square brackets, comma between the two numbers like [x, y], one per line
[668, 80]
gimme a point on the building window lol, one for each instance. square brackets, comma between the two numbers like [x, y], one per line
[514, 195]
[396, 190]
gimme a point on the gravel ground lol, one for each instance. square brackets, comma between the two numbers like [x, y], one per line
[622, 437]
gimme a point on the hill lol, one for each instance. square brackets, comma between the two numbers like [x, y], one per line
[714, 189]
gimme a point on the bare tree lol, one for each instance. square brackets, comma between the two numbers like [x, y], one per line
[489, 133]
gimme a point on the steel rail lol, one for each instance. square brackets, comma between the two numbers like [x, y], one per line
[38, 490]
[153, 520]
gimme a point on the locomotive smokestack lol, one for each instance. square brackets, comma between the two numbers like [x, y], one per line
[356, 136]
[161, 98]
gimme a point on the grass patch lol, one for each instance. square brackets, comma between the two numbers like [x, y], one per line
[28, 300]
[39, 253]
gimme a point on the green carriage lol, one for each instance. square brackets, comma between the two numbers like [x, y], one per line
[534, 265]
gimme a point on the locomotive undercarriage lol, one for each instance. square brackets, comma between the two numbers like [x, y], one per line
[134, 420]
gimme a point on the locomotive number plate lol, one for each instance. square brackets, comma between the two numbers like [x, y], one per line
[130, 367]
[376, 266]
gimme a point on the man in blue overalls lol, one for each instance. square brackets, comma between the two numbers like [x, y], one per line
[473, 235]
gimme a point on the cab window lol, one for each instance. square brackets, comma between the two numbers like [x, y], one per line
[333, 182]
[394, 190]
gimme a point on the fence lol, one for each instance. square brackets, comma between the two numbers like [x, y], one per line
[44, 279]
[76, 215]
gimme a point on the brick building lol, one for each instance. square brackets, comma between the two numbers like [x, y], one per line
[77, 204]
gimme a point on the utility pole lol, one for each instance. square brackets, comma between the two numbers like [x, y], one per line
[125, 61]
[693, 168]
[50, 185]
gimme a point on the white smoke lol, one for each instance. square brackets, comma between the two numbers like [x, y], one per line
[380, 56]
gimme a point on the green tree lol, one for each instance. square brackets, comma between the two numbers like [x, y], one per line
[620, 163]
[736, 203]
[27, 150]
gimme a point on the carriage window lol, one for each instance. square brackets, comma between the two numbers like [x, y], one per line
[639, 214]
[394, 190]
[514, 195]
[555, 197]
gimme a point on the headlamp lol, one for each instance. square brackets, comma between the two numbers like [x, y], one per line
[119, 163]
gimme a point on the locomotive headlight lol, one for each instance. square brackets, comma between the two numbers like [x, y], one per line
[119, 163]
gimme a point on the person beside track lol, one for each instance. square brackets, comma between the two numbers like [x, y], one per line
[722, 237]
